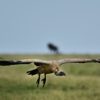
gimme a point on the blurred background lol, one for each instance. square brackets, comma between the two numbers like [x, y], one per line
[28, 26]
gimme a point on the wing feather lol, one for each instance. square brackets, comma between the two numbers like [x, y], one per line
[41, 64]
[37, 62]
[78, 60]
[13, 62]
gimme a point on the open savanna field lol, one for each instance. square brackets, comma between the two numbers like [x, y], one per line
[82, 81]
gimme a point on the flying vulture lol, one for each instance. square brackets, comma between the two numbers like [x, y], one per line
[47, 67]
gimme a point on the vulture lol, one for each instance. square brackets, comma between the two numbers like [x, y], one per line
[47, 66]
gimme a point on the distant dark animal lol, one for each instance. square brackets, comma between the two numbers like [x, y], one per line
[53, 48]
[47, 67]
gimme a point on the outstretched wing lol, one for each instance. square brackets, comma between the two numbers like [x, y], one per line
[37, 62]
[13, 62]
[77, 60]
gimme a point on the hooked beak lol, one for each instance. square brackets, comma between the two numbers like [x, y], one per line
[61, 73]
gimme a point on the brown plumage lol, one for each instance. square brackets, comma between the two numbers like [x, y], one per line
[44, 68]
[47, 67]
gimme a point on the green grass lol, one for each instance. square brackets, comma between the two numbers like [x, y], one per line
[81, 83]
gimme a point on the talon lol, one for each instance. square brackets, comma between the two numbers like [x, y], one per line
[38, 81]
[44, 80]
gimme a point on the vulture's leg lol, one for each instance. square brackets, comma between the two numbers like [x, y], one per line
[44, 80]
[38, 80]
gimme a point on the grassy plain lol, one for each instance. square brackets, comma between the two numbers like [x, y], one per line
[81, 83]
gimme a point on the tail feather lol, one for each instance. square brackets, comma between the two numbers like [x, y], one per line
[32, 72]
